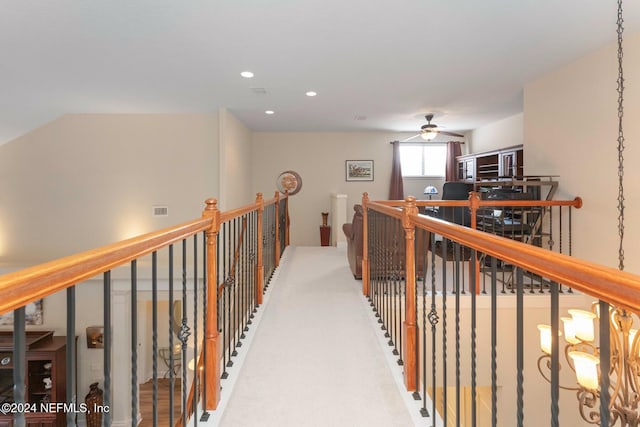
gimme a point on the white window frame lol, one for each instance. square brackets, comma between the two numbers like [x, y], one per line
[423, 145]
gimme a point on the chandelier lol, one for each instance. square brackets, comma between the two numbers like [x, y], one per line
[621, 378]
[583, 357]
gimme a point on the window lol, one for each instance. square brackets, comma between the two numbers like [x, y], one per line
[423, 159]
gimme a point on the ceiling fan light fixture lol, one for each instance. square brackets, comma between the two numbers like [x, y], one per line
[429, 134]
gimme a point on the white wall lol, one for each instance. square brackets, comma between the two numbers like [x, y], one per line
[235, 162]
[503, 133]
[86, 180]
[570, 128]
[319, 158]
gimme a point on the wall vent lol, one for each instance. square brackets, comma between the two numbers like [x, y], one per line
[160, 210]
[259, 90]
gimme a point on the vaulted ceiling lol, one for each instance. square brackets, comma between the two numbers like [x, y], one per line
[375, 65]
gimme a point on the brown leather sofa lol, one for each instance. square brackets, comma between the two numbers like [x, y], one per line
[353, 232]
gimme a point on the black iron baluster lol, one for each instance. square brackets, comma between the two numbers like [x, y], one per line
[494, 342]
[555, 355]
[71, 352]
[444, 328]
[403, 287]
[196, 356]
[246, 262]
[384, 260]
[238, 280]
[253, 248]
[384, 319]
[243, 279]
[205, 308]
[456, 283]
[172, 379]
[229, 286]
[560, 238]
[433, 320]
[570, 238]
[222, 275]
[134, 343]
[605, 364]
[106, 354]
[419, 250]
[520, 346]
[423, 410]
[184, 333]
[391, 298]
[154, 323]
[236, 285]
[474, 334]
[19, 363]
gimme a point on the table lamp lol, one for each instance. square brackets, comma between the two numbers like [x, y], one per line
[430, 190]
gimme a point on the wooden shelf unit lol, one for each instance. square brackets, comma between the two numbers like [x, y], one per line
[45, 358]
[503, 163]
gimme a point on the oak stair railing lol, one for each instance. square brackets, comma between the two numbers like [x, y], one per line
[464, 355]
[221, 278]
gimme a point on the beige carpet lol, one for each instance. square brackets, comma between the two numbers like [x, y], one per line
[315, 359]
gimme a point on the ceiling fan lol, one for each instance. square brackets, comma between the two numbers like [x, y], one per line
[429, 131]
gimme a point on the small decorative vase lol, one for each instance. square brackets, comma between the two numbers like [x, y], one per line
[325, 218]
[93, 400]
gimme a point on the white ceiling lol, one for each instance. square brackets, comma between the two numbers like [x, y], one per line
[389, 61]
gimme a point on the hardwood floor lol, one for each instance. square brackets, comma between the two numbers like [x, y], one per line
[146, 402]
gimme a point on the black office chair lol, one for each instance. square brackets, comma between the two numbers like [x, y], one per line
[455, 190]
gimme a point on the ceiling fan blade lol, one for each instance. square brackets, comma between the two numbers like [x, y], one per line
[410, 138]
[444, 132]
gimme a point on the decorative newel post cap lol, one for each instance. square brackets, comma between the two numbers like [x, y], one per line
[211, 204]
[410, 199]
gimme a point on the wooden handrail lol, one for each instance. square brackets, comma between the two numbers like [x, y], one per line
[618, 288]
[576, 203]
[393, 212]
[235, 213]
[22, 287]
[621, 289]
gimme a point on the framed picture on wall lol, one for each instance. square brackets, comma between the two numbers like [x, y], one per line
[359, 170]
[33, 314]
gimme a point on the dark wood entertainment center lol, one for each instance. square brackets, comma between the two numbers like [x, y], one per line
[45, 360]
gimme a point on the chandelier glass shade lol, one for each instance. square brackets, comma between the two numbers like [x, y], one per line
[582, 355]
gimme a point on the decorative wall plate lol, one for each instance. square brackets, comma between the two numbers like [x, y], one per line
[289, 182]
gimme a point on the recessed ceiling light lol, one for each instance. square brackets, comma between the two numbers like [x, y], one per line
[311, 93]
[269, 112]
[246, 74]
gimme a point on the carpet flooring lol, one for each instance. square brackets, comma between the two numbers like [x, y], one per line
[315, 359]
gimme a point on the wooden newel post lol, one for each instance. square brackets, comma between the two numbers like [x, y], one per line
[410, 325]
[212, 337]
[474, 204]
[277, 249]
[365, 245]
[259, 262]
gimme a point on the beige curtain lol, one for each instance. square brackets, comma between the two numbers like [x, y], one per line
[453, 150]
[396, 190]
